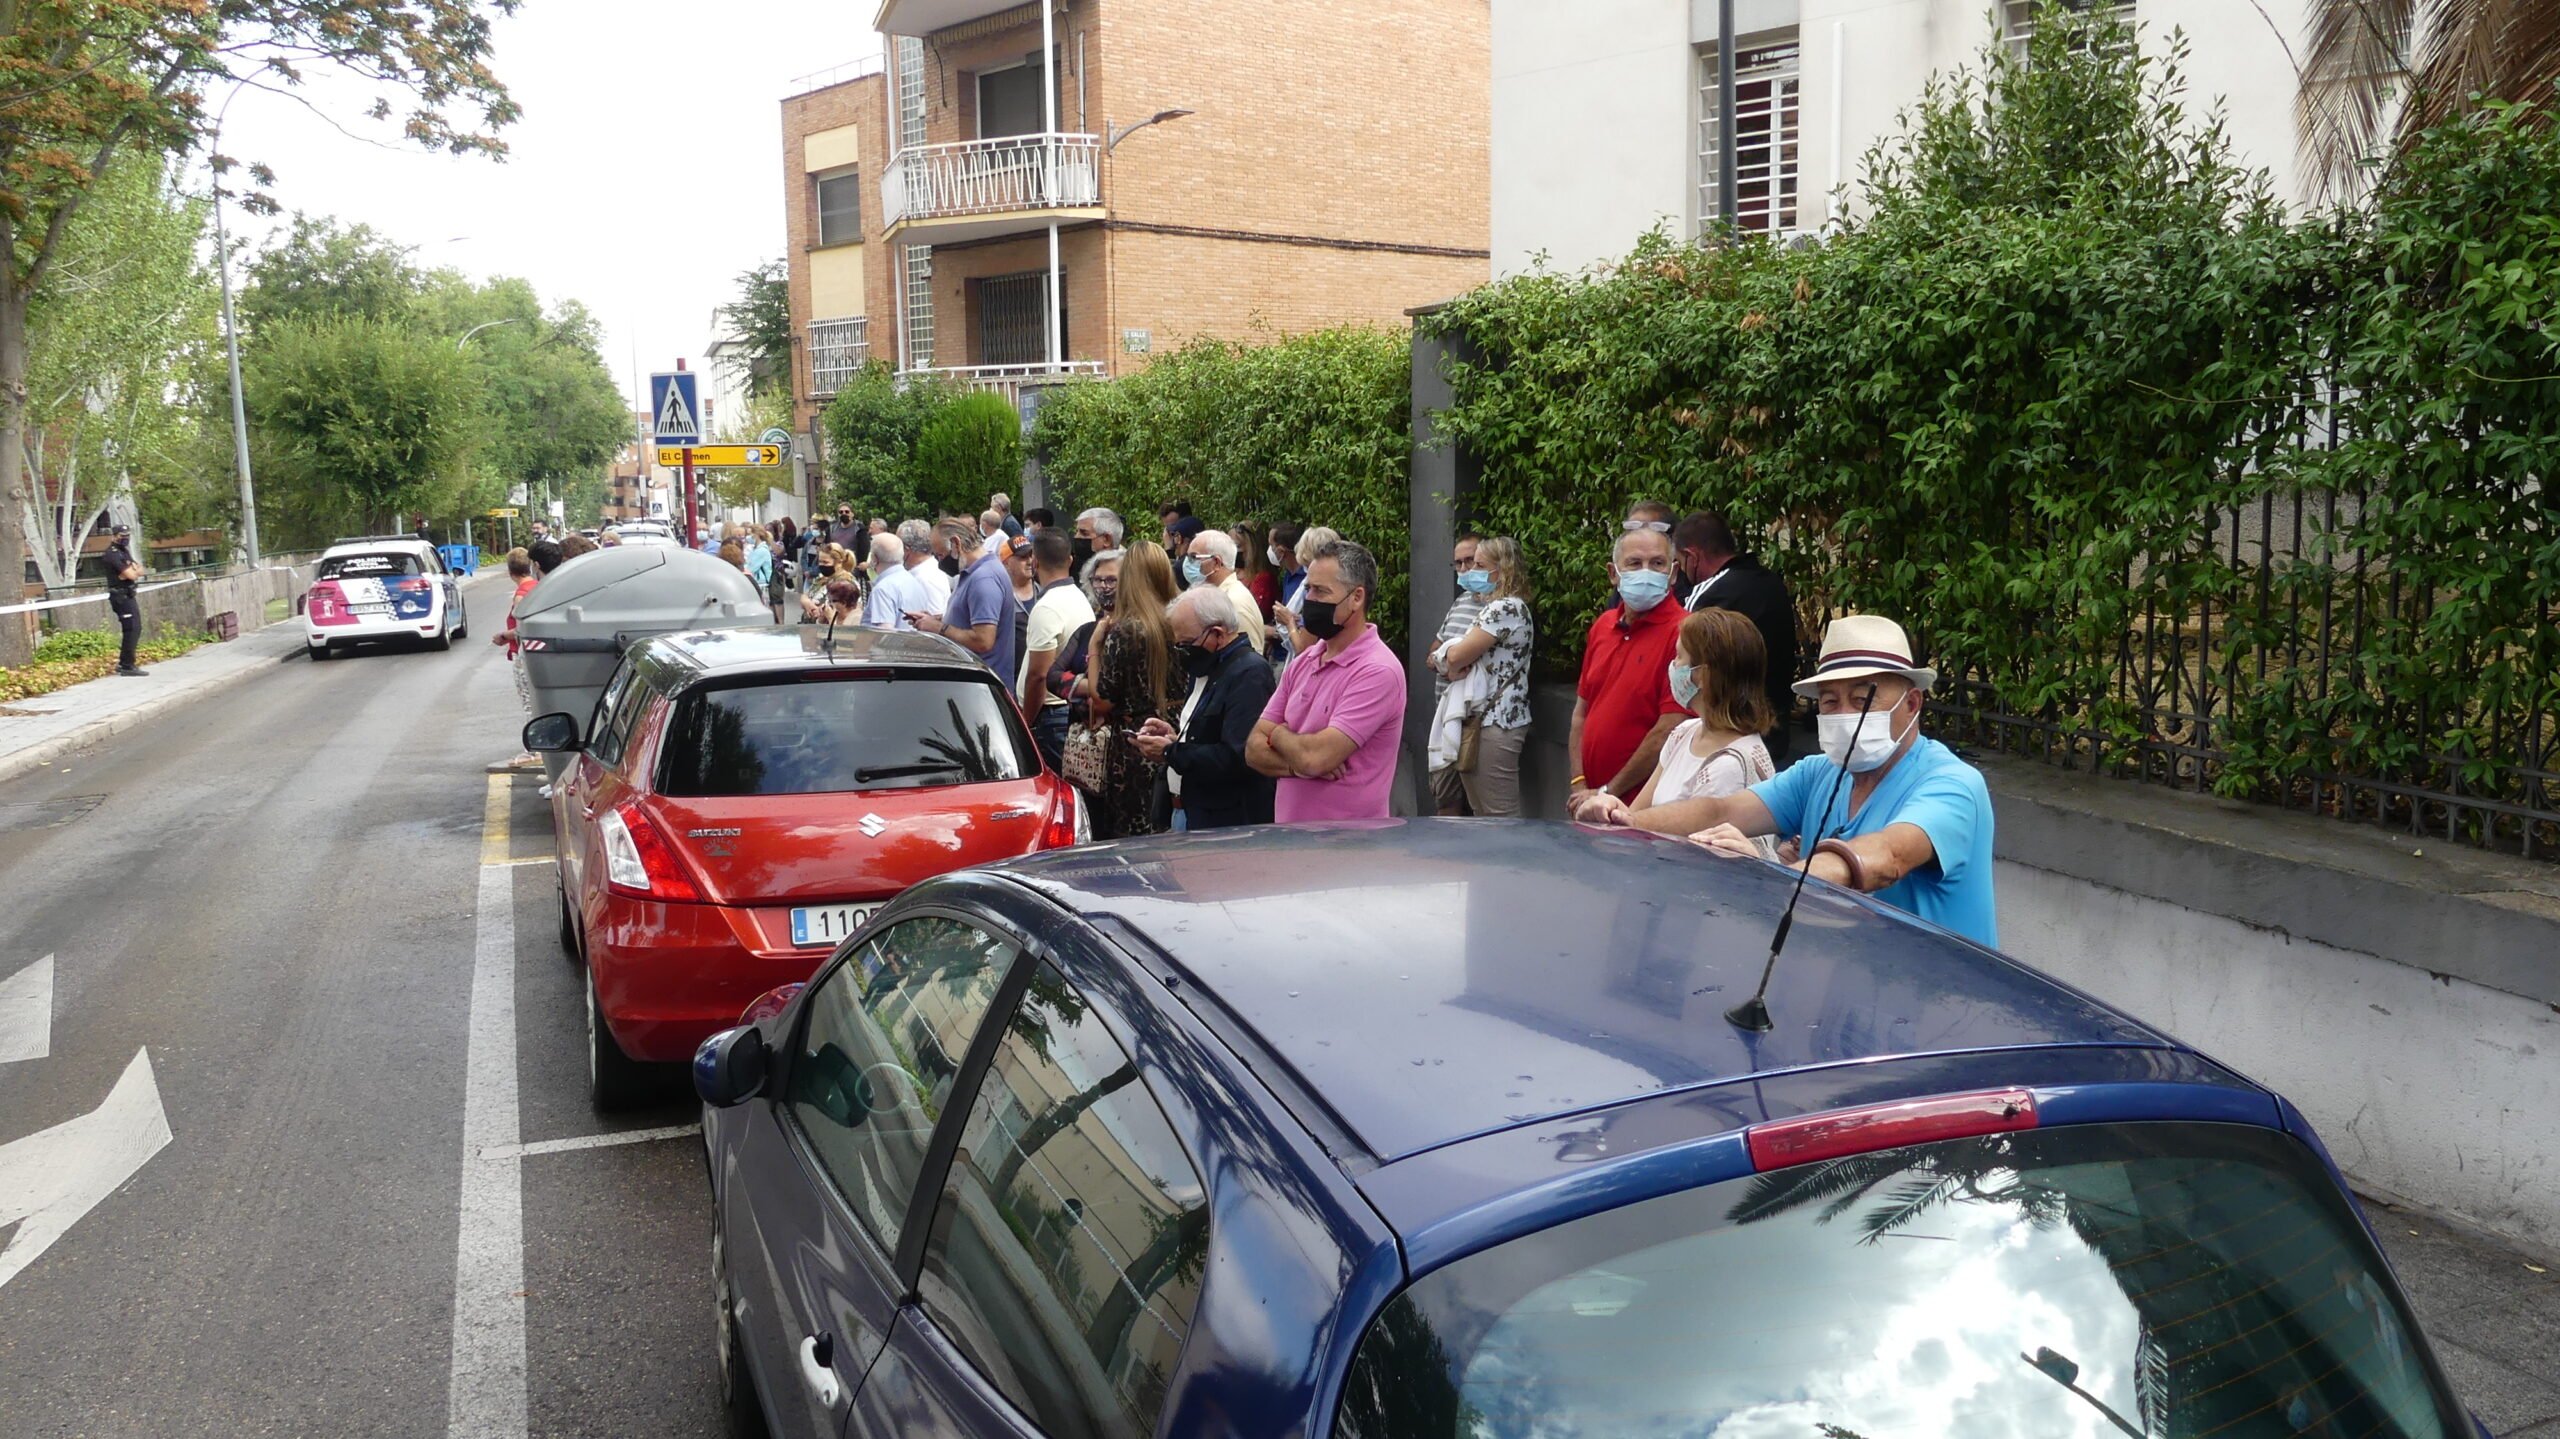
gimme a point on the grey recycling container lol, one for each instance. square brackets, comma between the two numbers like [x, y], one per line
[578, 621]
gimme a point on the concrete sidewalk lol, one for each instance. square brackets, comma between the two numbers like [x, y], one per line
[2492, 1314]
[38, 732]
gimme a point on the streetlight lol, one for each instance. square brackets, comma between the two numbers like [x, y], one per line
[1117, 133]
[1111, 138]
[476, 329]
[231, 339]
[2061, 1370]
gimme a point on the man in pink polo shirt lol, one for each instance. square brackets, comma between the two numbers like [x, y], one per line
[1330, 732]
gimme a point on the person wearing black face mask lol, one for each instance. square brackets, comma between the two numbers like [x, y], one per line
[1207, 782]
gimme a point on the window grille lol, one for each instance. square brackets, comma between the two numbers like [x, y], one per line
[2018, 17]
[1767, 96]
[837, 350]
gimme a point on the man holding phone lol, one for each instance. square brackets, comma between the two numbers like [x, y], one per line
[122, 575]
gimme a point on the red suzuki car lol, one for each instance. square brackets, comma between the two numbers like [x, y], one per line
[744, 798]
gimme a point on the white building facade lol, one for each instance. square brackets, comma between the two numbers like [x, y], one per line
[1604, 111]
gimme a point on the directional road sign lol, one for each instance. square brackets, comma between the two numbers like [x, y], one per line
[502, 514]
[725, 457]
[675, 408]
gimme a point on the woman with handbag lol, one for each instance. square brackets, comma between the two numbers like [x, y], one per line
[1132, 681]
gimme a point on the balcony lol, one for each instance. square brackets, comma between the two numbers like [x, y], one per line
[1011, 380]
[973, 189]
[837, 352]
[924, 17]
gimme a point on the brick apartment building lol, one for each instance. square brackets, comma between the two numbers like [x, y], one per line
[1330, 167]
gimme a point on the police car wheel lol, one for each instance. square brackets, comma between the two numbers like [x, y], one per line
[614, 1079]
[443, 639]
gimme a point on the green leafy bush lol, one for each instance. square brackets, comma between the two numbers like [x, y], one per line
[1312, 429]
[872, 426]
[78, 645]
[969, 450]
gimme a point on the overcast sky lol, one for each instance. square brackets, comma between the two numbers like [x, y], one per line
[643, 177]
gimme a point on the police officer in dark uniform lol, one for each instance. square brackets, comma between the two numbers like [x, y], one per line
[123, 573]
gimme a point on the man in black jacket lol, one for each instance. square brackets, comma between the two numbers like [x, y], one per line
[123, 573]
[1719, 577]
[1218, 790]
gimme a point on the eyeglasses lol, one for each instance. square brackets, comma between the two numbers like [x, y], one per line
[1659, 527]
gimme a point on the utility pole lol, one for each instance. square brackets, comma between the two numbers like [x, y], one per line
[231, 343]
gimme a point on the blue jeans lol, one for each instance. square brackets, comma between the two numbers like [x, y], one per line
[1049, 736]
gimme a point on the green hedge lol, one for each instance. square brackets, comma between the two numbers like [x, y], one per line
[2018, 400]
[1311, 429]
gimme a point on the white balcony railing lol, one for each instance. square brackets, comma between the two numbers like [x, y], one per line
[1010, 380]
[837, 350]
[992, 177]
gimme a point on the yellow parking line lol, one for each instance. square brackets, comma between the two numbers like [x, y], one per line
[494, 833]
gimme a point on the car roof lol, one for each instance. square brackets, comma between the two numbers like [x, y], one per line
[751, 649]
[1425, 981]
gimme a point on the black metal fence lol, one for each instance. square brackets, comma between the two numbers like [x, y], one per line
[2299, 616]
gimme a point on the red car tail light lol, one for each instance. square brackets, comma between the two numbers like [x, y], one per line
[415, 584]
[1065, 827]
[638, 861]
[1816, 1137]
[326, 604]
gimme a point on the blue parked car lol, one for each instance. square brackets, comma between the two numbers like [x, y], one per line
[1435, 1129]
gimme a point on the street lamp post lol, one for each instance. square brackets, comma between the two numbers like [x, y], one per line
[476, 329]
[1728, 204]
[231, 343]
[1112, 135]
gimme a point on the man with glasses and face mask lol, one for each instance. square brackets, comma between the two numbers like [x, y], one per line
[1211, 785]
[1623, 708]
[1912, 826]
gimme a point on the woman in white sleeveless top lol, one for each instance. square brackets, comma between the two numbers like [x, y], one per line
[1718, 672]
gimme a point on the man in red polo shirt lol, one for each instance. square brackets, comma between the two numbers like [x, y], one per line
[1623, 709]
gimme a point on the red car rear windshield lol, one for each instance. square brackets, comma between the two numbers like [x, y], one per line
[2092, 1281]
[822, 734]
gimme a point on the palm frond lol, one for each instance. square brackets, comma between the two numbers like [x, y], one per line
[2495, 49]
[2353, 77]
[1906, 1203]
[1777, 1192]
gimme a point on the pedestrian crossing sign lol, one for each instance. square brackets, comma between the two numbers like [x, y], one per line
[675, 407]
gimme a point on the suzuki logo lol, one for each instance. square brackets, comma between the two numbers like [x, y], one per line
[873, 825]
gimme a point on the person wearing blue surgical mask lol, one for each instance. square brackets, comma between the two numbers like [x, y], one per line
[1623, 706]
[1210, 559]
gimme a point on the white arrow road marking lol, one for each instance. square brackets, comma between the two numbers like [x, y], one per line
[26, 1012]
[51, 1178]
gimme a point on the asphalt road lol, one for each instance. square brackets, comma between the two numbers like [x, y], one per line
[274, 898]
[264, 914]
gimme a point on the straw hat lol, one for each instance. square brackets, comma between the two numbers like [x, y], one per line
[1860, 646]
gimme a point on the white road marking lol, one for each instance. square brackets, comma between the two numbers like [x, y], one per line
[51, 1178]
[485, 1398]
[591, 1141]
[26, 1012]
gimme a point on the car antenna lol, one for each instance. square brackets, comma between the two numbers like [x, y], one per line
[1753, 1013]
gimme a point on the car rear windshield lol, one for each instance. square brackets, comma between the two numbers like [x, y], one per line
[825, 733]
[2176, 1280]
[369, 567]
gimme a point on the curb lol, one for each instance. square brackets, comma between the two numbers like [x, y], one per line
[43, 754]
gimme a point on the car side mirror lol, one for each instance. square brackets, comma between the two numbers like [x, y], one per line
[729, 1069]
[553, 734]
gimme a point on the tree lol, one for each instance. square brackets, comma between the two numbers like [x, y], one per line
[971, 450]
[114, 345]
[872, 427]
[761, 320]
[86, 85]
[358, 422]
[324, 270]
[2365, 95]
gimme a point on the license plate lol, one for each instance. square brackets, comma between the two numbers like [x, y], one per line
[382, 609]
[827, 923]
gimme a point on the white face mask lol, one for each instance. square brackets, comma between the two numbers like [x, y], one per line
[1875, 740]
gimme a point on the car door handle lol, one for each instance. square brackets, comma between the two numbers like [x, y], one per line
[817, 1355]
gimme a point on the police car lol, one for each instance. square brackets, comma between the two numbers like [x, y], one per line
[382, 588]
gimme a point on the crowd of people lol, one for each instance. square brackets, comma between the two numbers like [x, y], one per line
[1206, 677]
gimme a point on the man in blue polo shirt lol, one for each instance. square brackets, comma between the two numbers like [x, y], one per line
[981, 616]
[1912, 825]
